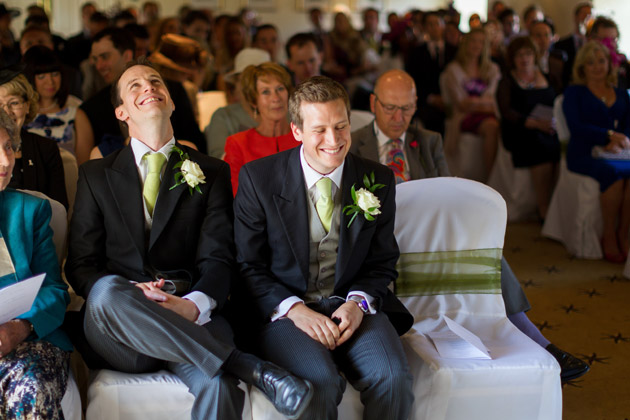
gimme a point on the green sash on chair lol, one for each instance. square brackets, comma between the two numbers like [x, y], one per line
[449, 272]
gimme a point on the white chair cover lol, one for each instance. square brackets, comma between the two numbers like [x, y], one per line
[71, 175]
[515, 186]
[359, 119]
[208, 102]
[450, 265]
[574, 216]
[157, 396]
[71, 401]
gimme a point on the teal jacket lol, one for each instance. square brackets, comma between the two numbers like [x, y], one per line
[24, 221]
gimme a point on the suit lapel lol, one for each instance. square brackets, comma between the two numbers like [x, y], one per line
[416, 169]
[167, 199]
[29, 170]
[368, 148]
[293, 211]
[124, 183]
[348, 235]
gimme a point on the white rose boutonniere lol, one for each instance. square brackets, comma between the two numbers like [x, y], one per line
[365, 201]
[190, 173]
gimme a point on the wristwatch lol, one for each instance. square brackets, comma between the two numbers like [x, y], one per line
[610, 133]
[361, 302]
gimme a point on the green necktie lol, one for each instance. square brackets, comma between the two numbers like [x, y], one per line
[324, 205]
[152, 181]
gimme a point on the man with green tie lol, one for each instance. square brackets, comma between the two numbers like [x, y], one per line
[152, 252]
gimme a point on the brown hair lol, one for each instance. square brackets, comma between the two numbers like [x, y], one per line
[19, 86]
[587, 52]
[517, 44]
[251, 75]
[317, 89]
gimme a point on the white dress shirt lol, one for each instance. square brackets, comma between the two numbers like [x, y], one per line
[205, 304]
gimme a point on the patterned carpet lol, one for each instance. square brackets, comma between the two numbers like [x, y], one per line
[582, 306]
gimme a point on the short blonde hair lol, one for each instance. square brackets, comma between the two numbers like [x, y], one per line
[250, 76]
[19, 86]
[586, 53]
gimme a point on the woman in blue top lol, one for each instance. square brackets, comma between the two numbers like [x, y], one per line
[598, 114]
[34, 351]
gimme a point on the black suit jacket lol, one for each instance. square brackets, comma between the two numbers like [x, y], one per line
[272, 235]
[42, 167]
[191, 237]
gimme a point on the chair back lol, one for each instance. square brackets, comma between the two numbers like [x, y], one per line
[71, 175]
[450, 232]
[561, 123]
[58, 223]
[208, 103]
[359, 119]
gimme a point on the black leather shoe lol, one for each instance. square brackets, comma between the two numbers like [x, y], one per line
[288, 393]
[570, 366]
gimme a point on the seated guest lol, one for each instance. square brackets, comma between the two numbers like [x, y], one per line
[348, 50]
[471, 81]
[606, 31]
[238, 115]
[370, 33]
[317, 279]
[59, 117]
[266, 38]
[552, 60]
[235, 38]
[598, 114]
[34, 351]
[38, 164]
[573, 42]
[111, 50]
[266, 88]
[304, 57]
[419, 155]
[157, 275]
[529, 136]
[78, 46]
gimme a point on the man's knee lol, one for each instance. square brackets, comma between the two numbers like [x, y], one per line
[107, 290]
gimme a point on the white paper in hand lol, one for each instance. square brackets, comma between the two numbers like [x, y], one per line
[458, 343]
[18, 298]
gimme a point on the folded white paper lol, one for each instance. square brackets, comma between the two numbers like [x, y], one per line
[18, 298]
[458, 343]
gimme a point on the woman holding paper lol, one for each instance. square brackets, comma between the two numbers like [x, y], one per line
[34, 351]
[598, 114]
[525, 101]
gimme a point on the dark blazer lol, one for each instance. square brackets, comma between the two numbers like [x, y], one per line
[191, 237]
[272, 233]
[42, 168]
[423, 148]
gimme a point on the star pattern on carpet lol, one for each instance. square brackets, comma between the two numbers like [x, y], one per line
[617, 338]
[529, 283]
[590, 293]
[570, 309]
[615, 278]
[550, 269]
[574, 383]
[593, 358]
[545, 325]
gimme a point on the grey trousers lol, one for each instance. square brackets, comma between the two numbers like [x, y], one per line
[373, 361]
[137, 335]
[513, 294]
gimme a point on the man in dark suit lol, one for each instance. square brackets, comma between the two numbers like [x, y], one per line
[153, 258]
[421, 156]
[393, 103]
[573, 42]
[425, 64]
[317, 278]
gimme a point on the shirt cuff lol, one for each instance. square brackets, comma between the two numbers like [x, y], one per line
[370, 299]
[284, 307]
[204, 303]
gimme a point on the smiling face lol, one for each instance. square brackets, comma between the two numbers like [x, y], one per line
[143, 96]
[273, 98]
[7, 158]
[15, 106]
[596, 67]
[107, 60]
[47, 84]
[325, 134]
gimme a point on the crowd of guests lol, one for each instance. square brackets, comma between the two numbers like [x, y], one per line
[423, 80]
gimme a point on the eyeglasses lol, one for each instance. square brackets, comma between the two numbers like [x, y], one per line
[13, 105]
[390, 109]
